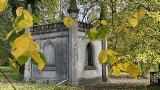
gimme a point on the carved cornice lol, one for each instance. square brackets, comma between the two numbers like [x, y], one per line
[83, 27]
[49, 28]
[58, 27]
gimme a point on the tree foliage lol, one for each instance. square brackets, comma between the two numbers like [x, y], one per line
[132, 41]
[23, 46]
[134, 31]
[45, 10]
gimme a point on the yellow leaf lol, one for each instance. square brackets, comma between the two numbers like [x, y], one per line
[110, 72]
[133, 21]
[120, 66]
[125, 65]
[38, 60]
[135, 15]
[110, 56]
[28, 35]
[32, 52]
[12, 63]
[68, 21]
[20, 46]
[33, 47]
[93, 30]
[3, 4]
[102, 57]
[9, 34]
[27, 16]
[104, 22]
[133, 70]
[141, 13]
[92, 34]
[116, 70]
[110, 52]
[25, 23]
[112, 59]
[18, 30]
[19, 11]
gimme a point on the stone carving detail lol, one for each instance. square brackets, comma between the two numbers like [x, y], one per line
[83, 27]
[50, 54]
[49, 28]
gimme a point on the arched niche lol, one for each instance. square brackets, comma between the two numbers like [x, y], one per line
[89, 57]
[50, 54]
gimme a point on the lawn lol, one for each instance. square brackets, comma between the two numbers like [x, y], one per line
[17, 81]
[20, 85]
[33, 86]
[120, 83]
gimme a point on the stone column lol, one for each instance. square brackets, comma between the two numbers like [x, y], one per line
[28, 66]
[73, 43]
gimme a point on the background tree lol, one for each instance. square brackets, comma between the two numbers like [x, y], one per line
[46, 10]
[141, 43]
[138, 43]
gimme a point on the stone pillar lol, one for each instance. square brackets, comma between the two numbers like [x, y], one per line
[28, 66]
[73, 43]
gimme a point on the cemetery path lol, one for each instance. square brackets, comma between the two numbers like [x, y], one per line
[118, 84]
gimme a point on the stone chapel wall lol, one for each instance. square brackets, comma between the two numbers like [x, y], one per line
[88, 72]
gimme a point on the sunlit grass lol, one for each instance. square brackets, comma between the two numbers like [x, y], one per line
[33, 86]
[20, 85]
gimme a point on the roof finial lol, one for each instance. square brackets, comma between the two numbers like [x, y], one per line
[73, 6]
[29, 8]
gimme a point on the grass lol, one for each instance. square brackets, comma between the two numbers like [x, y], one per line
[11, 76]
[20, 85]
[33, 86]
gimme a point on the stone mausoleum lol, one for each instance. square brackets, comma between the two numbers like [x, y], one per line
[69, 56]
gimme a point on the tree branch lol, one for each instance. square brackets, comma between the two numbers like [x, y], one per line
[7, 79]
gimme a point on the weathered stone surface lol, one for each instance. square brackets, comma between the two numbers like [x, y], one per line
[65, 52]
[56, 45]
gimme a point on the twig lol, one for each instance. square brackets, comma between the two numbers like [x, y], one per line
[85, 14]
[8, 79]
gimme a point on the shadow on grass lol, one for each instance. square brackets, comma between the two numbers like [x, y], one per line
[19, 84]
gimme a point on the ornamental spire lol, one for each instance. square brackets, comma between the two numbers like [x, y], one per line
[73, 6]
